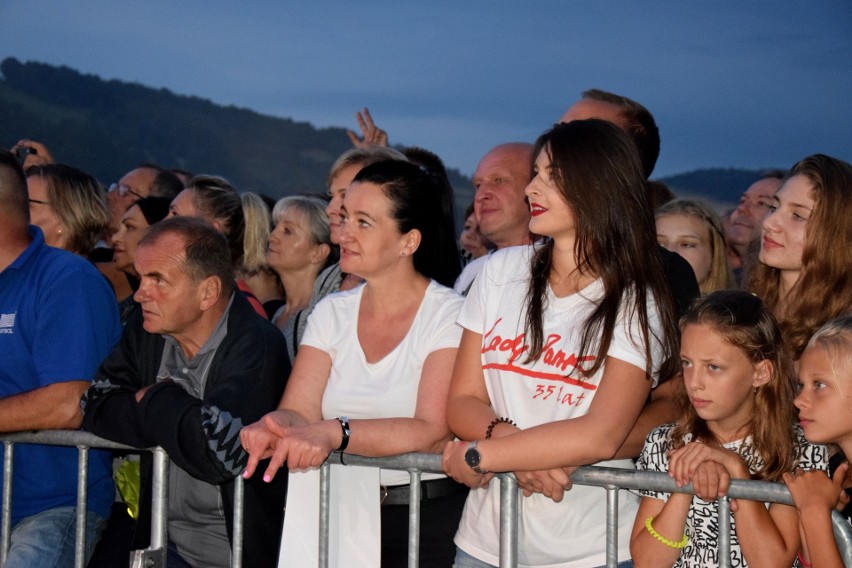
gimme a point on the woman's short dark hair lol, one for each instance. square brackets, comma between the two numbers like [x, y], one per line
[417, 202]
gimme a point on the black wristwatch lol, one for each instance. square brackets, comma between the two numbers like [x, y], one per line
[472, 457]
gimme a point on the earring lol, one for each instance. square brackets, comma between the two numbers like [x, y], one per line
[402, 254]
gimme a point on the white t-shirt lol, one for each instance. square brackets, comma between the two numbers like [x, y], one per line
[702, 526]
[358, 389]
[570, 534]
[388, 388]
[469, 274]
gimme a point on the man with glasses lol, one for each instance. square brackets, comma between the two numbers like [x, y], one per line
[143, 181]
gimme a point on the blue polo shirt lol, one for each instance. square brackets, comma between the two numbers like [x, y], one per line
[58, 321]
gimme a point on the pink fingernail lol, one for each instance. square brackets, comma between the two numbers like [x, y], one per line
[267, 478]
[245, 475]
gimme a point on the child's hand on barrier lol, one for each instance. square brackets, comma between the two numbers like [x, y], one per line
[813, 490]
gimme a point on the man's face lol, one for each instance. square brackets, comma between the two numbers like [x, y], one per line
[135, 185]
[499, 202]
[170, 300]
[590, 108]
[754, 204]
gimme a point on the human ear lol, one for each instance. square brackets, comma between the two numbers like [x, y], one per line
[320, 253]
[762, 373]
[210, 291]
[411, 242]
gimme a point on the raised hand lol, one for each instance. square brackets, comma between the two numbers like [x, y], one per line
[371, 135]
[38, 155]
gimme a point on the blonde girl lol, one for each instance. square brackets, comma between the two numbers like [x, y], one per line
[825, 382]
[736, 400]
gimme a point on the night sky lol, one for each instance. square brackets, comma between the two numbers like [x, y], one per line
[732, 84]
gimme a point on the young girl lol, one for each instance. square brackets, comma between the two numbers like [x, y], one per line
[736, 423]
[694, 231]
[825, 379]
[561, 344]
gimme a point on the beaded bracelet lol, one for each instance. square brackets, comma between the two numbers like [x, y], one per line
[661, 538]
[495, 422]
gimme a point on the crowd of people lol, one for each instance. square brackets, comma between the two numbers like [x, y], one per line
[582, 316]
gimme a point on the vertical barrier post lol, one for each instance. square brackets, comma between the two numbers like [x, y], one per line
[239, 504]
[155, 555]
[82, 506]
[414, 519]
[611, 526]
[508, 520]
[842, 536]
[325, 497]
[8, 467]
[724, 511]
[160, 504]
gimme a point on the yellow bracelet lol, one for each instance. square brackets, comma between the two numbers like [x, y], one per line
[661, 538]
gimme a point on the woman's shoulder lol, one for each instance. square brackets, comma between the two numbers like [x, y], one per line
[340, 299]
[509, 262]
[442, 293]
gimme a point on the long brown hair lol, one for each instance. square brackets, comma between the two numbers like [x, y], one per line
[744, 321]
[824, 289]
[597, 169]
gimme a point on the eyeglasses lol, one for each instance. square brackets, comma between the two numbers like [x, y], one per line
[123, 190]
[39, 201]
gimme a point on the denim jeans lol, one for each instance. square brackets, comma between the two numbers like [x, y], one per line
[46, 539]
[465, 560]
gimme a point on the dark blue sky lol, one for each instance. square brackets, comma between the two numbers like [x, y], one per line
[731, 83]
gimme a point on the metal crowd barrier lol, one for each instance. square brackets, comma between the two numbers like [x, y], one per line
[611, 479]
[152, 557]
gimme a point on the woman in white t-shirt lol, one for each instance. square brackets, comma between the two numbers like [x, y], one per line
[562, 343]
[371, 377]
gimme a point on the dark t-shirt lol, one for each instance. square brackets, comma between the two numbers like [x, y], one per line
[681, 279]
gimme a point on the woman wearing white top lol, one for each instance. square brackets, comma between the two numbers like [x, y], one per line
[372, 372]
[561, 346]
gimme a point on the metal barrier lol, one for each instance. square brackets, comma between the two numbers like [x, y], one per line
[152, 557]
[611, 479]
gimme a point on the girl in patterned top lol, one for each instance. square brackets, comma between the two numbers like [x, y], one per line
[736, 423]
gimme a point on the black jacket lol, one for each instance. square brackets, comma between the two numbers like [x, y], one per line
[246, 379]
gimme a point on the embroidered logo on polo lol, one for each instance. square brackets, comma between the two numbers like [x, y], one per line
[7, 323]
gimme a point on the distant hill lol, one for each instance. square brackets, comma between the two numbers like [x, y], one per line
[107, 127]
[721, 187]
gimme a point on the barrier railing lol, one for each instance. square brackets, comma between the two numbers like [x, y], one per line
[152, 557]
[611, 479]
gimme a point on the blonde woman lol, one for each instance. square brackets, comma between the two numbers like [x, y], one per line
[694, 231]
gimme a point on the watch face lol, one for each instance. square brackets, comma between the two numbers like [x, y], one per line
[472, 457]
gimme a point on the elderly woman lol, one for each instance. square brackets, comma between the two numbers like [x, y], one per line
[68, 205]
[371, 377]
[299, 248]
